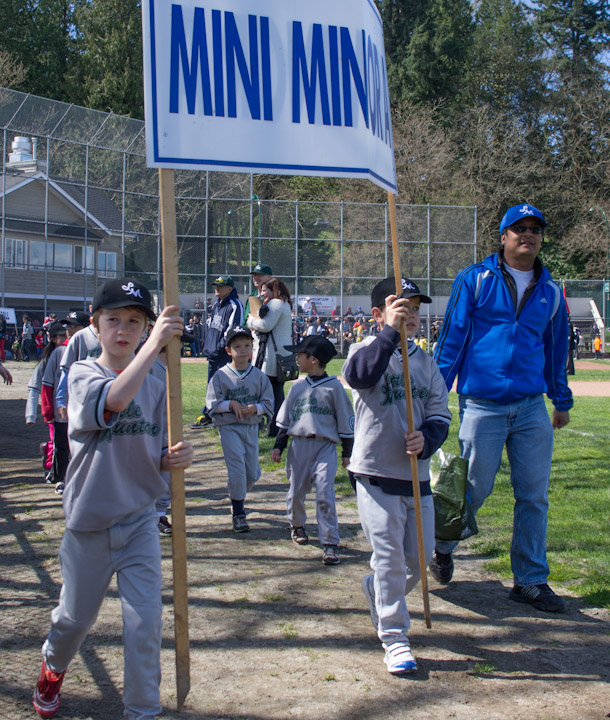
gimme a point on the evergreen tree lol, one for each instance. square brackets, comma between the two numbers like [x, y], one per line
[110, 75]
[506, 70]
[41, 35]
[427, 48]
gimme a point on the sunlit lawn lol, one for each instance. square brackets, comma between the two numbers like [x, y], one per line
[578, 531]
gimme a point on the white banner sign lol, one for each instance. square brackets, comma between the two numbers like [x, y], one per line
[268, 86]
[9, 315]
[323, 305]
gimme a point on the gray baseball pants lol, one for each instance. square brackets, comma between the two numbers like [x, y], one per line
[131, 549]
[240, 449]
[390, 527]
[309, 462]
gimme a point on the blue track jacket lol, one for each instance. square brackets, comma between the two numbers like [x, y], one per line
[498, 351]
[224, 316]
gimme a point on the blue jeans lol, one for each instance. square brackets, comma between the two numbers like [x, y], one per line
[525, 428]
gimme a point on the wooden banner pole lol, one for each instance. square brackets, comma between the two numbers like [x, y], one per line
[410, 426]
[174, 414]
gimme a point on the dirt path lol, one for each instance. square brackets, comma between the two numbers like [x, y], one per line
[275, 634]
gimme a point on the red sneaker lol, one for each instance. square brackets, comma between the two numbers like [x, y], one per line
[46, 698]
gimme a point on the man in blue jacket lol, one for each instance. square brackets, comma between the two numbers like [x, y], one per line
[505, 336]
[227, 312]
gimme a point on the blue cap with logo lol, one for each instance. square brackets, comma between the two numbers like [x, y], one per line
[518, 212]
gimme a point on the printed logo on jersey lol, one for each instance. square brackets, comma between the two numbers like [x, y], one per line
[130, 289]
[393, 389]
[242, 395]
[95, 353]
[308, 404]
[131, 422]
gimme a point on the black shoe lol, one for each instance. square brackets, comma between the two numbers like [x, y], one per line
[298, 535]
[165, 527]
[240, 524]
[540, 596]
[202, 421]
[331, 555]
[441, 567]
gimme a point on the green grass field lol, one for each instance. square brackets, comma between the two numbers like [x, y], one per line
[578, 537]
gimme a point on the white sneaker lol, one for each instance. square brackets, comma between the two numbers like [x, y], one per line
[399, 659]
[368, 588]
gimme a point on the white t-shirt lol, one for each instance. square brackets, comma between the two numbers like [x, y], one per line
[522, 279]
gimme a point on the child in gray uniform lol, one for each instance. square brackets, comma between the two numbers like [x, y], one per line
[317, 414]
[380, 465]
[238, 395]
[117, 432]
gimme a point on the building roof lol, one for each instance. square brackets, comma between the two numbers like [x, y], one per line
[101, 210]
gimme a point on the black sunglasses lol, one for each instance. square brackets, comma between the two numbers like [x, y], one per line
[520, 229]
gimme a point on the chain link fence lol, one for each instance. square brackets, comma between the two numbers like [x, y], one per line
[98, 159]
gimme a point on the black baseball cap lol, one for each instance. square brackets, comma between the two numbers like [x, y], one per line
[238, 331]
[315, 345]
[388, 287]
[261, 269]
[56, 328]
[123, 292]
[76, 318]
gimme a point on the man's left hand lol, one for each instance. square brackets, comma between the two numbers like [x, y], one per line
[560, 419]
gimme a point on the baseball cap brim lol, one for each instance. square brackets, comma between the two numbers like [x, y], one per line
[126, 303]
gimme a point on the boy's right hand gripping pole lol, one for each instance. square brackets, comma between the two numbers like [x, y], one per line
[410, 425]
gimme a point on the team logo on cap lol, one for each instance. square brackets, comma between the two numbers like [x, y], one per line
[72, 315]
[526, 210]
[130, 289]
[407, 285]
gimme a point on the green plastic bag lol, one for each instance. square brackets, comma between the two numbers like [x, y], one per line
[454, 520]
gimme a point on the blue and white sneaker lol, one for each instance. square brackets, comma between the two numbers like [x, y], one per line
[399, 659]
[368, 588]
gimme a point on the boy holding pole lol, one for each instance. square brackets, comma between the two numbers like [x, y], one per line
[117, 431]
[380, 463]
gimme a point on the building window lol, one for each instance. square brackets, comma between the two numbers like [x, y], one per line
[62, 258]
[106, 264]
[38, 261]
[79, 253]
[14, 255]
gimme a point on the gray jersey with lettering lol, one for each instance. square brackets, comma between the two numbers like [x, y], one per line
[116, 457]
[381, 414]
[319, 408]
[252, 387]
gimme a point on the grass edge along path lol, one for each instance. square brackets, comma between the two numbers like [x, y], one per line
[579, 496]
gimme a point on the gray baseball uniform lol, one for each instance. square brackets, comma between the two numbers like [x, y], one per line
[317, 413]
[83, 344]
[51, 377]
[111, 527]
[34, 385]
[382, 468]
[239, 438]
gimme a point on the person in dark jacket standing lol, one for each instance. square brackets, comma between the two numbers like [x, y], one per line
[227, 312]
[505, 336]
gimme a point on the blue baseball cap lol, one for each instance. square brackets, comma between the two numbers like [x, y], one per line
[518, 212]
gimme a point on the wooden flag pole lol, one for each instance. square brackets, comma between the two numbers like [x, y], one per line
[174, 413]
[410, 426]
